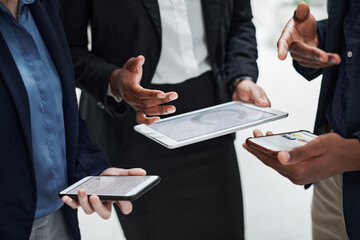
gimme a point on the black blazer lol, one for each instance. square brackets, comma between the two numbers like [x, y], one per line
[331, 39]
[18, 186]
[128, 28]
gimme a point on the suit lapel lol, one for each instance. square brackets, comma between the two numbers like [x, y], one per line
[15, 84]
[152, 7]
[335, 34]
[211, 11]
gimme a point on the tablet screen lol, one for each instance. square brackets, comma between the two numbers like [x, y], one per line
[198, 124]
[109, 185]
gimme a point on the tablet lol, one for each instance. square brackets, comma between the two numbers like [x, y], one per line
[207, 123]
[112, 187]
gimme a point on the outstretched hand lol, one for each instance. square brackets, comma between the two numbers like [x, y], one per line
[301, 39]
[125, 84]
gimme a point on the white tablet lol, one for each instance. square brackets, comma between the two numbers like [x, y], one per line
[207, 123]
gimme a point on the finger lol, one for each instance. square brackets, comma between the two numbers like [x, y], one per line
[103, 210]
[123, 172]
[84, 202]
[137, 172]
[136, 90]
[269, 133]
[159, 110]
[134, 65]
[258, 96]
[302, 12]
[284, 42]
[257, 133]
[304, 50]
[146, 103]
[308, 151]
[125, 207]
[71, 202]
[143, 119]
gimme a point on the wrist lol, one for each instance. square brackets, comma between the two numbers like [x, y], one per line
[114, 85]
[351, 151]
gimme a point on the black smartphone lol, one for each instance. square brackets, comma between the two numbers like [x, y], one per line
[272, 145]
[113, 187]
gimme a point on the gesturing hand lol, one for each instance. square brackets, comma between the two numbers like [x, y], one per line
[301, 39]
[94, 204]
[125, 84]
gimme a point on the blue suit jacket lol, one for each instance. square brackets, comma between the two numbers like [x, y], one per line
[18, 186]
[331, 34]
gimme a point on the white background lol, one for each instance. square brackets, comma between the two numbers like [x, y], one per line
[274, 207]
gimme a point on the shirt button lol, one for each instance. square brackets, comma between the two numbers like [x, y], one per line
[349, 54]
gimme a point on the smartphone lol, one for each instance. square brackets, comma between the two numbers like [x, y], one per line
[272, 145]
[113, 187]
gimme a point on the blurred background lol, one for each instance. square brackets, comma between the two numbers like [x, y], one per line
[275, 209]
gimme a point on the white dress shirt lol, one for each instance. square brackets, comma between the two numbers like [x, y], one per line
[184, 52]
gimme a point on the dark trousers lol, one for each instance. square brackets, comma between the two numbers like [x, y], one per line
[199, 196]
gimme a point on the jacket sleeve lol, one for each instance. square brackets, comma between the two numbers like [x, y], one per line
[92, 72]
[90, 160]
[312, 73]
[241, 47]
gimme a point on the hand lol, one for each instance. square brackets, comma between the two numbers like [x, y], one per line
[248, 91]
[94, 204]
[323, 157]
[301, 39]
[125, 84]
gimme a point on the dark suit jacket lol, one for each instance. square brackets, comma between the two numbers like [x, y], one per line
[331, 39]
[128, 28]
[18, 186]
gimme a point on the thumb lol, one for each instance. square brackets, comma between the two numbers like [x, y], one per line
[302, 12]
[134, 65]
[303, 153]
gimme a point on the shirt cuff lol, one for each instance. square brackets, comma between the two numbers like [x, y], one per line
[110, 94]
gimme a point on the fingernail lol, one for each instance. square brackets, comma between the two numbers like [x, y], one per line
[173, 96]
[161, 95]
[287, 156]
[170, 110]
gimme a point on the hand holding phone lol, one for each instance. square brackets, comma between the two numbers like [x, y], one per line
[273, 144]
[93, 203]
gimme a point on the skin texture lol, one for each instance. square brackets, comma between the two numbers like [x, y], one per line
[94, 204]
[301, 39]
[125, 84]
[12, 5]
[247, 91]
[323, 157]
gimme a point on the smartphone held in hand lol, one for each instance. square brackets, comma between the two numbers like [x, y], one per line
[273, 144]
[113, 187]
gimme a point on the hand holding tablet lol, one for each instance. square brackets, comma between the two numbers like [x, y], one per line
[207, 123]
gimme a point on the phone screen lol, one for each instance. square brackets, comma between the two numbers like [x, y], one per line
[284, 141]
[110, 185]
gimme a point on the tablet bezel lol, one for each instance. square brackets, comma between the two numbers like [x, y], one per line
[172, 143]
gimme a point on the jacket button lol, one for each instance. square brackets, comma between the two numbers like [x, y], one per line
[101, 105]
